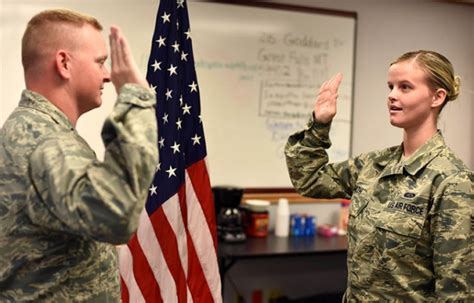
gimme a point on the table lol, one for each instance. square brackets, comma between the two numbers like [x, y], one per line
[272, 246]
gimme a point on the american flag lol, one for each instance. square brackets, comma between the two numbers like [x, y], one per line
[172, 257]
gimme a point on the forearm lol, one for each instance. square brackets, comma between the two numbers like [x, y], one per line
[307, 162]
[130, 136]
[95, 199]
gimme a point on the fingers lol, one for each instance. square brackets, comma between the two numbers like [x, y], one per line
[124, 69]
[332, 84]
[336, 81]
[323, 86]
[119, 47]
[114, 46]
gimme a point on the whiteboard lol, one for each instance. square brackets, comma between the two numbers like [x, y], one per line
[259, 70]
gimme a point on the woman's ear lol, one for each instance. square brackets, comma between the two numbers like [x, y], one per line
[439, 97]
[63, 64]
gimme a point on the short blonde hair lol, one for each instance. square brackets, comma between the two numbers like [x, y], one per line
[46, 23]
[439, 71]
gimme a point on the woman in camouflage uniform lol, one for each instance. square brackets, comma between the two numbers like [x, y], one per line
[410, 221]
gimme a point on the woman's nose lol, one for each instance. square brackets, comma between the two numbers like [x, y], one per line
[392, 95]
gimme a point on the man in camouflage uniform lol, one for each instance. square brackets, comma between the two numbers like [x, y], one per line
[410, 221]
[62, 210]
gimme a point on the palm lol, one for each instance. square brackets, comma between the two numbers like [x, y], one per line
[124, 69]
[325, 106]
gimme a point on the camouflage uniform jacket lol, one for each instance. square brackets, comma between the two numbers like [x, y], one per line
[62, 210]
[410, 221]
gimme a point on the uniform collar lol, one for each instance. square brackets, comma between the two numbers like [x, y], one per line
[390, 160]
[424, 154]
[36, 101]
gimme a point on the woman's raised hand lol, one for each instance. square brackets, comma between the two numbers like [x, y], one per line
[325, 106]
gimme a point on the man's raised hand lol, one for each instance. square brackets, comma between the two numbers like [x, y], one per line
[124, 69]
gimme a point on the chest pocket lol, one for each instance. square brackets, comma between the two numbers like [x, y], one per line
[397, 239]
[399, 224]
[402, 218]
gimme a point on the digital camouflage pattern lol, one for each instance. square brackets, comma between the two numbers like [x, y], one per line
[410, 221]
[62, 210]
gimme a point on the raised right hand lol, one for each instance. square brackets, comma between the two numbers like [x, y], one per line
[124, 69]
[325, 106]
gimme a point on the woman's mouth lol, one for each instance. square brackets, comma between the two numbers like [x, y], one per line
[394, 109]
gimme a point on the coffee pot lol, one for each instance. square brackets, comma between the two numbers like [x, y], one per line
[228, 215]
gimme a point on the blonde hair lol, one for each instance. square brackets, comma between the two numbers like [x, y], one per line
[46, 25]
[439, 72]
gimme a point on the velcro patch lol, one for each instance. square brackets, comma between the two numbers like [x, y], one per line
[409, 195]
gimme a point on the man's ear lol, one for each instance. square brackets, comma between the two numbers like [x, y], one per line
[63, 64]
[439, 97]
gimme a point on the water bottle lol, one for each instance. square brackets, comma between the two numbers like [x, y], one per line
[310, 226]
[282, 224]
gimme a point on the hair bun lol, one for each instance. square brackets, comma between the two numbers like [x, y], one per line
[456, 87]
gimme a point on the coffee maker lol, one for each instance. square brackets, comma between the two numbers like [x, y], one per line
[228, 216]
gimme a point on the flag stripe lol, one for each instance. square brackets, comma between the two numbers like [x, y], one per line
[143, 273]
[173, 212]
[200, 230]
[126, 272]
[199, 290]
[169, 247]
[155, 258]
[202, 186]
[185, 238]
[125, 295]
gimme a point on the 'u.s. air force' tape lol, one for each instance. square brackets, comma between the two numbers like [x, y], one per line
[406, 207]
